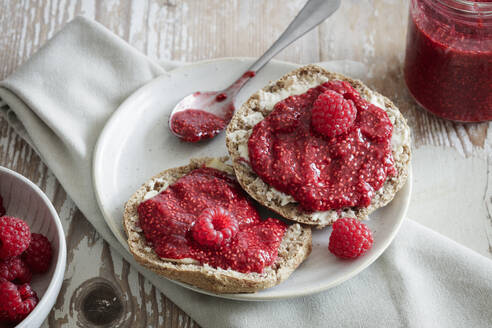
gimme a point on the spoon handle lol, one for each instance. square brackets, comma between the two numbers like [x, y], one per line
[311, 15]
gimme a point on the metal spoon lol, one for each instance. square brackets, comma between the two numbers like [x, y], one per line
[217, 107]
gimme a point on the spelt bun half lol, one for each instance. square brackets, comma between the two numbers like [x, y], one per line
[260, 104]
[294, 249]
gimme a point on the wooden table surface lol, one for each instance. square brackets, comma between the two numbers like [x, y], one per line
[370, 31]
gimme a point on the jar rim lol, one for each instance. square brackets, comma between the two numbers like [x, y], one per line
[468, 7]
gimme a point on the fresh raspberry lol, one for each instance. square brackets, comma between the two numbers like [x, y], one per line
[16, 302]
[332, 114]
[350, 238]
[26, 291]
[15, 236]
[13, 306]
[38, 254]
[2, 209]
[10, 299]
[23, 310]
[14, 269]
[214, 227]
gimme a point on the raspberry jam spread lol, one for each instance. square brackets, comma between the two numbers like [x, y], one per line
[301, 157]
[195, 124]
[206, 216]
[448, 63]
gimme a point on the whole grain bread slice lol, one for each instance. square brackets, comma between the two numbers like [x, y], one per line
[260, 104]
[294, 248]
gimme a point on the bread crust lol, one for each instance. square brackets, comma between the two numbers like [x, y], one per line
[255, 109]
[294, 249]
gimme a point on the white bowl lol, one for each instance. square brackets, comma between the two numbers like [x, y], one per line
[23, 199]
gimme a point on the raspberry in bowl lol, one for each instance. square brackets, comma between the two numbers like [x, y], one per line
[33, 259]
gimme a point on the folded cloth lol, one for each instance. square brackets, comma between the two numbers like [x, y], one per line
[59, 101]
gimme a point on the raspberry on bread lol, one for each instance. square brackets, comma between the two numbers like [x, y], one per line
[214, 227]
[295, 245]
[262, 103]
[332, 114]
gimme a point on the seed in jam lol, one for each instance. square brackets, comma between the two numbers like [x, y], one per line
[248, 244]
[324, 172]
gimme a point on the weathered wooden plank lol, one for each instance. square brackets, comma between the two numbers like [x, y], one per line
[198, 30]
[371, 31]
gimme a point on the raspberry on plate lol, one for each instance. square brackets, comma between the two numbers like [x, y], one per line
[14, 269]
[214, 227]
[15, 236]
[39, 253]
[332, 114]
[2, 209]
[16, 302]
[350, 238]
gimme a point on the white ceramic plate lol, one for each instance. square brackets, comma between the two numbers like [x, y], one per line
[136, 144]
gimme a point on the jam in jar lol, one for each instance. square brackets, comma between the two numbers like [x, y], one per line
[448, 61]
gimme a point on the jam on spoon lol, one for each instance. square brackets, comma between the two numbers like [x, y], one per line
[193, 124]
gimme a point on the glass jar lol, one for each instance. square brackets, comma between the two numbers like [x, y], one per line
[448, 60]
